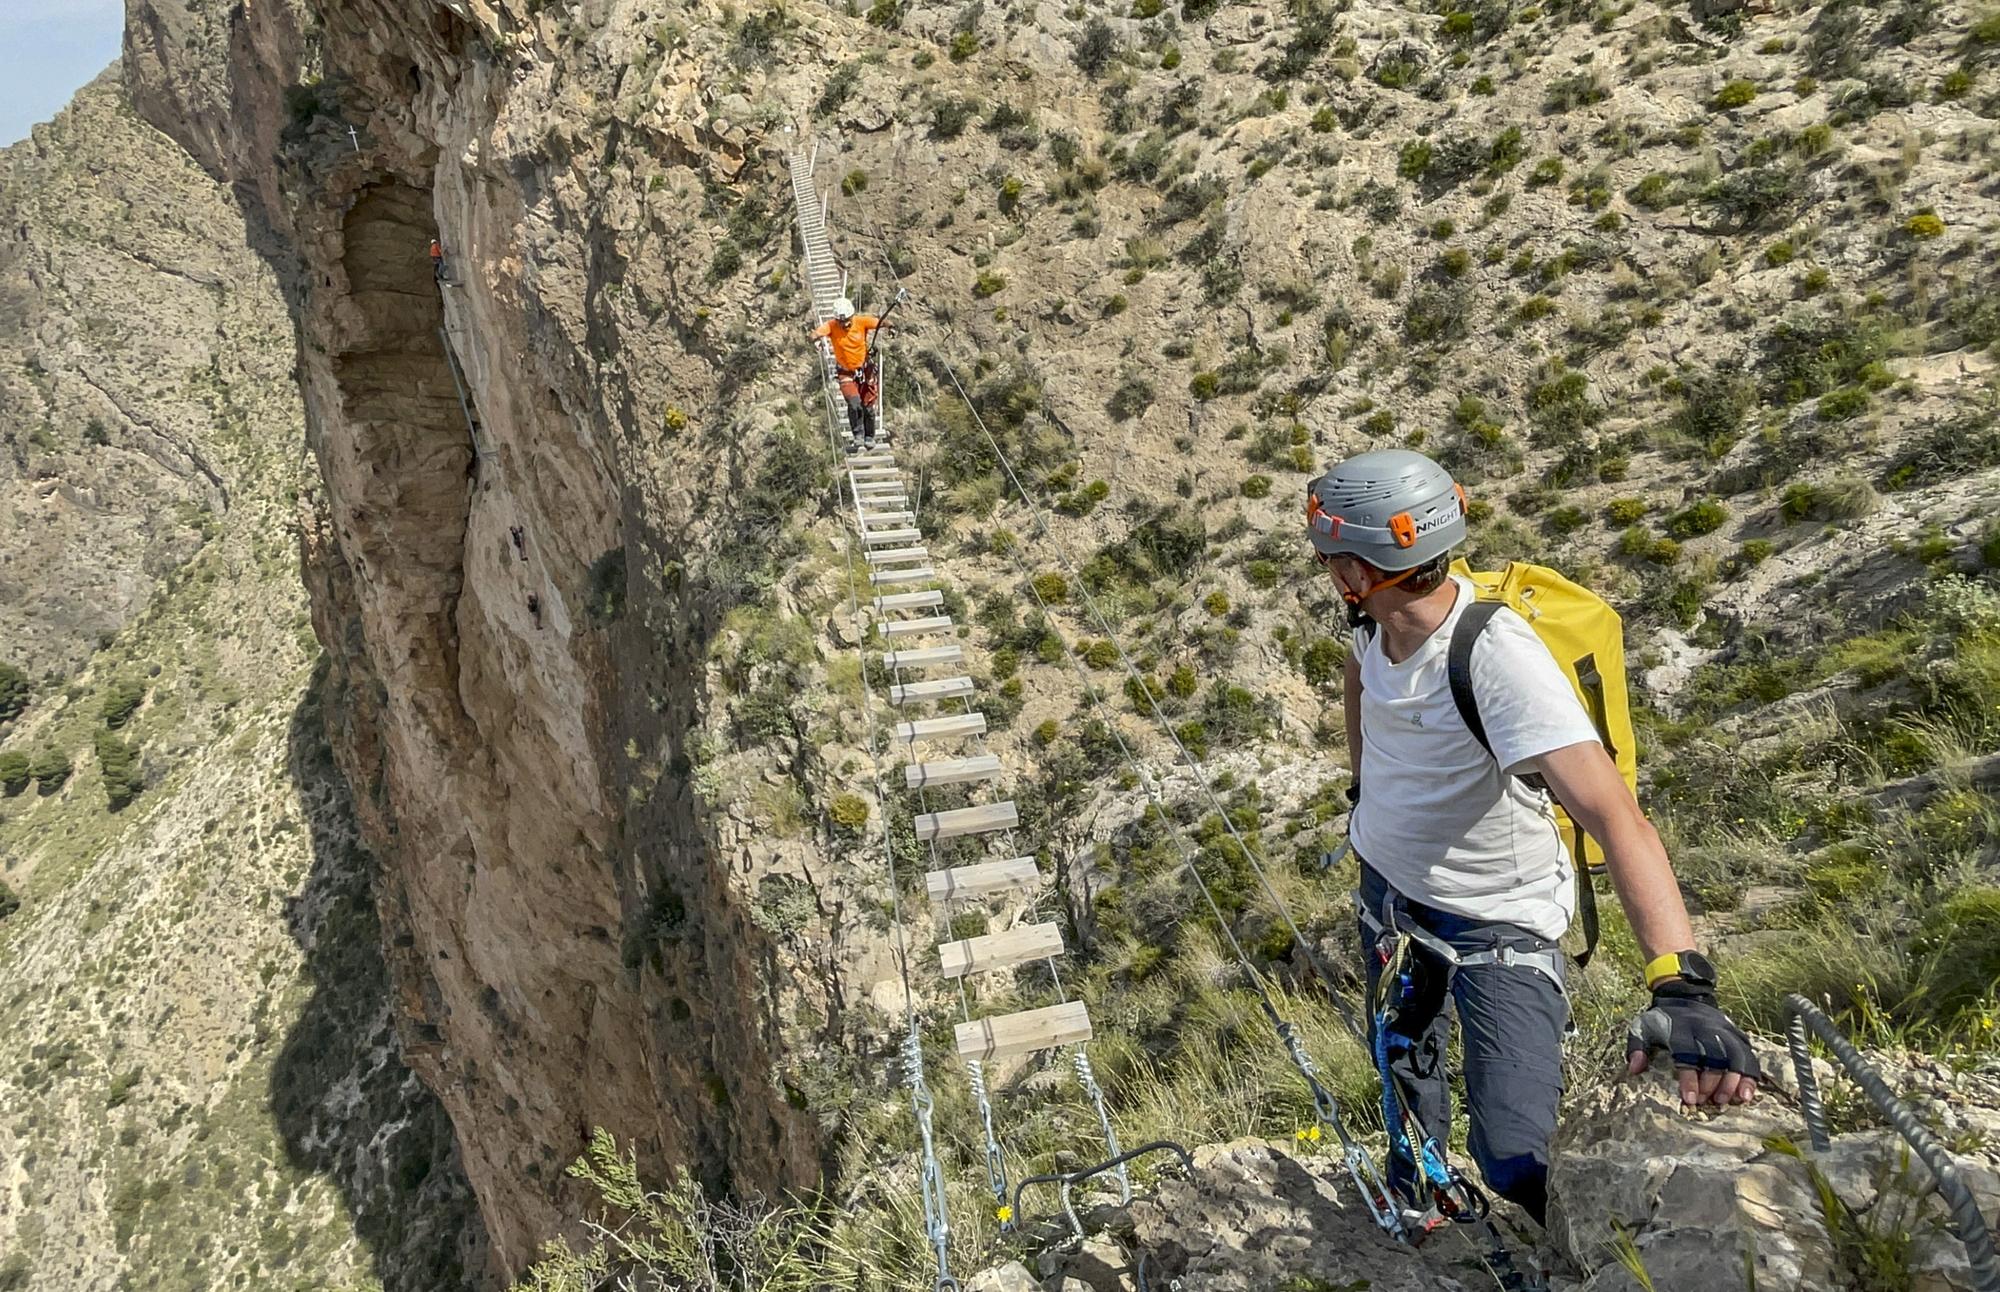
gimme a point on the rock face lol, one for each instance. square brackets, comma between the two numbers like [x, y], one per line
[1735, 1199]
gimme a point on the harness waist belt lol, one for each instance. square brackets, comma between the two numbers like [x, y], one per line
[1546, 960]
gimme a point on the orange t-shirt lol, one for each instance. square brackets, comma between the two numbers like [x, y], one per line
[849, 341]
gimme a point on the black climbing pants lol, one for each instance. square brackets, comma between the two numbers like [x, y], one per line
[1511, 1019]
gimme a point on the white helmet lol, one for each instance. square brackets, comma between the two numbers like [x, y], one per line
[843, 309]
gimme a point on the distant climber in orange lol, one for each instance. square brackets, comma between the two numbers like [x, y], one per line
[849, 336]
[437, 260]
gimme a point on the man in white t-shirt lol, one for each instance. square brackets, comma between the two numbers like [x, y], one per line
[1462, 865]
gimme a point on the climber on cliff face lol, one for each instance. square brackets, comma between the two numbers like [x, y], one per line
[849, 336]
[437, 260]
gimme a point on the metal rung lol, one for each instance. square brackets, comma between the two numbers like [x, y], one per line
[872, 473]
[898, 556]
[952, 771]
[888, 516]
[984, 819]
[908, 601]
[872, 460]
[982, 879]
[873, 536]
[876, 488]
[946, 728]
[943, 688]
[1003, 950]
[908, 627]
[916, 574]
[925, 657]
[1006, 1035]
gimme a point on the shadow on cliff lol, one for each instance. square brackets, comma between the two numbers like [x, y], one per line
[345, 1103]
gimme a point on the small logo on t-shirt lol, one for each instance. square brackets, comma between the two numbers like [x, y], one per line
[1417, 718]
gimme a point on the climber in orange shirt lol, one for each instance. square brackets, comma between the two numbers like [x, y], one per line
[848, 335]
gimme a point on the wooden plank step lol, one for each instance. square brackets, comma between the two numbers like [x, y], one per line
[991, 951]
[946, 728]
[872, 473]
[1006, 1035]
[924, 657]
[914, 574]
[898, 556]
[871, 460]
[983, 879]
[952, 771]
[908, 601]
[888, 517]
[874, 488]
[908, 627]
[907, 535]
[943, 688]
[984, 819]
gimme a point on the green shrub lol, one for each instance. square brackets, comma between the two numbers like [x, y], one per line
[1620, 512]
[1704, 517]
[1635, 542]
[1182, 682]
[1454, 262]
[949, 117]
[1257, 486]
[849, 812]
[121, 700]
[1414, 159]
[856, 181]
[51, 767]
[1052, 587]
[1840, 405]
[8, 905]
[1101, 654]
[13, 692]
[1547, 171]
[14, 774]
[1566, 520]
[1046, 733]
[1654, 192]
[1736, 94]
[1216, 603]
[1096, 47]
[119, 763]
[1924, 225]
[988, 284]
[1323, 662]
[1263, 575]
[1133, 397]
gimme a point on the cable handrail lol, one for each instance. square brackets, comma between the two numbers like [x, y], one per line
[1802, 1015]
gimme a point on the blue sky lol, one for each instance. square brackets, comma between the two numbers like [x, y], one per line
[49, 49]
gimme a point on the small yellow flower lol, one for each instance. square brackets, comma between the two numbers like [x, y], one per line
[1006, 1213]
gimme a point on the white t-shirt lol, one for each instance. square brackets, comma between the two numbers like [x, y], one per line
[1437, 816]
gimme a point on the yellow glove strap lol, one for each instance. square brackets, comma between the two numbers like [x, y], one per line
[1661, 967]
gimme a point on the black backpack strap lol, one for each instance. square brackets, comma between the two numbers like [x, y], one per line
[1458, 666]
[1458, 672]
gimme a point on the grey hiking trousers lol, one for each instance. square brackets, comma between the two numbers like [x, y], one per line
[1511, 1018]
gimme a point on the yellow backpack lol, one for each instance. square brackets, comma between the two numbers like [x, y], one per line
[1588, 640]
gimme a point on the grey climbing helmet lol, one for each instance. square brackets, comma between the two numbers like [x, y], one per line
[1393, 508]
